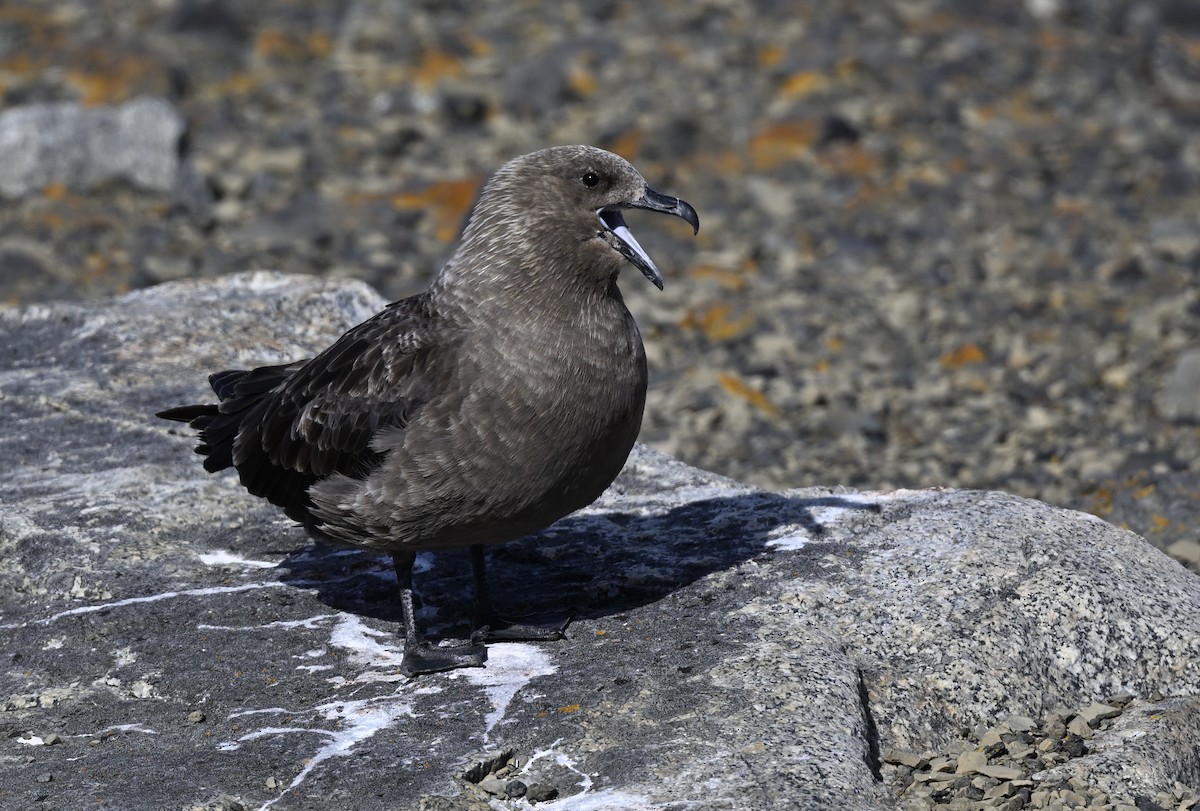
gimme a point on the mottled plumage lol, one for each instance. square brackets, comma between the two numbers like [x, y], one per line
[502, 398]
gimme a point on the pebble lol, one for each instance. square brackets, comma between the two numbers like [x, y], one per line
[494, 785]
[902, 758]
[1055, 726]
[141, 689]
[1000, 772]
[1093, 714]
[1079, 726]
[928, 776]
[1021, 723]
[991, 739]
[1180, 398]
[942, 764]
[1005, 777]
[997, 792]
[1018, 750]
[540, 792]
[1187, 551]
[971, 762]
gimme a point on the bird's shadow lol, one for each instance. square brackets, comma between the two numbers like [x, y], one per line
[590, 565]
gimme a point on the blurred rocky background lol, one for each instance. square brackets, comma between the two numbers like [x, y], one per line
[943, 243]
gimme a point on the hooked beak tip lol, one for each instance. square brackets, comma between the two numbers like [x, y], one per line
[685, 211]
[653, 201]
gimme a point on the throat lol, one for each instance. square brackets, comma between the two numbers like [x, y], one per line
[612, 291]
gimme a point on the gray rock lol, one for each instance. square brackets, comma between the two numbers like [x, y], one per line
[1020, 723]
[1176, 237]
[83, 147]
[1093, 714]
[1180, 397]
[733, 647]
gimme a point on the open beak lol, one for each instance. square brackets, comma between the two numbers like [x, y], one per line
[613, 220]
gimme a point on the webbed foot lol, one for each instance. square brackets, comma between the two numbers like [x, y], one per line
[423, 657]
[542, 628]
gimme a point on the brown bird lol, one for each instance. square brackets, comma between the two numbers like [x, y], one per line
[504, 397]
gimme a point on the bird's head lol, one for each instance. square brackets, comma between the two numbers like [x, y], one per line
[567, 201]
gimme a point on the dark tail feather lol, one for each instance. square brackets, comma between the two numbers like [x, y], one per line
[236, 384]
[239, 390]
[187, 413]
[224, 383]
[216, 432]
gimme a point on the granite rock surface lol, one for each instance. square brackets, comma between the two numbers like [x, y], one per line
[171, 642]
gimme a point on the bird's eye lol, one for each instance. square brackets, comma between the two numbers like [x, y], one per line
[590, 179]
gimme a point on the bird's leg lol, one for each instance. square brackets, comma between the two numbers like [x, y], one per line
[419, 655]
[495, 628]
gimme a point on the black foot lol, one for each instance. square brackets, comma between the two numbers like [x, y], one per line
[426, 658]
[548, 628]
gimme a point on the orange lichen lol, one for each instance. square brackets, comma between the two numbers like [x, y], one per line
[727, 161]
[366, 198]
[282, 45]
[732, 279]
[740, 388]
[273, 43]
[435, 66]
[627, 144]
[21, 65]
[850, 159]
[770, 55]
[318, 43]
[1049, 39]
[581, 81]
[101, 79]
[1043, 336]
[934, 22]
[965, 355]
[782, 142]
[477, 45]
[716, 323]
[1064, 206]
[447, 200]
[1102, 502]
[236, 84]
[804, 83]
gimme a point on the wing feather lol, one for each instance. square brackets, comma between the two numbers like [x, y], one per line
[321, 418]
